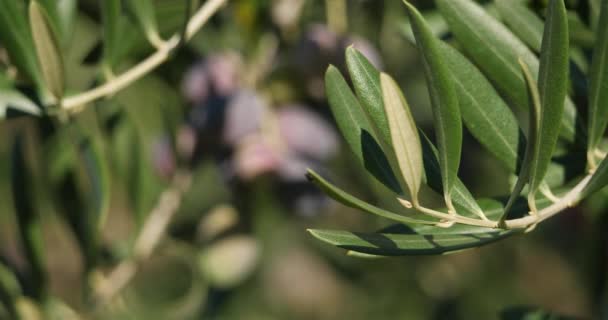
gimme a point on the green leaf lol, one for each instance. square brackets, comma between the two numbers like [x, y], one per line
[111, 14]
[366, 81]
[144, 13]
[16, 38]
[98, 177]
[405, 139]
[598, 181]
[28, 218]
[446, 113]
[48, 50]
[461, 196]
[387, 244]
[522, 21]
[10, 291]
[532, 146]
[357, 130]
[12, 100]
[496, 51]
[552, 87]
[598, 84]
[484, 112]
[435, 21]
[353, 202]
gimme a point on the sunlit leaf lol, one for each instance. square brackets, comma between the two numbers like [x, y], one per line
[446, 113]
[598, 79]
[357, 130]
[404, 134]
[552, 87]
[13, 101]
[387, 244]
[484, 113]
[48, 50]
[353, 202]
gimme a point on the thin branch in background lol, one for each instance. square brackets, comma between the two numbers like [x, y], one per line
[150, 237]
[75, 104]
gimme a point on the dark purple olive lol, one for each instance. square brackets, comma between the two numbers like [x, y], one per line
[306, 133]
[163, 159]
[243, 116]
[195, 84]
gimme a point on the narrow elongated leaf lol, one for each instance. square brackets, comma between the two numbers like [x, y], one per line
[435, 21]
[366, 80]
[552, 87]
[533, 139]
[52, 12]
[111, 14]
[598, 181]
[353, 202]
[144, 13]
[28, 218]
[446, 113]
[13, 101]
[10, 290]
[522, 22]
[496, 51]
[357, 130]
[598, 81]
[462, 198]
[99, 181]
[386, 244]
[16, 38]
[404, 133]
[47, 50]
[484, 112]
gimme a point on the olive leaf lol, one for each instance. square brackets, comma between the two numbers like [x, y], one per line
[357, 130]
[598, 84]
[552, 87]
[16, 38]
[145, 15]
[496, 51]
[366, 81]
[522, 22]
[404, 134]
[598, 181]
[446, 113]
[111, 14]
[48, 50]
[353, 202]
[484, 112]
[28, 217]
[533, 139]
[394, 244]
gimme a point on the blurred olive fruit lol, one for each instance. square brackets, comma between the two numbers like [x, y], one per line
[303, 284]
[230, 261]
[195, 85]
[219, 74]
[306, 133]
[217, 221]
[243, 116]
[168, 286]
[255, 157]
[185, 142]
[286, 13]
[163, 158]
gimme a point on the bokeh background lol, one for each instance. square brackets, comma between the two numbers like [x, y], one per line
[241, 112]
